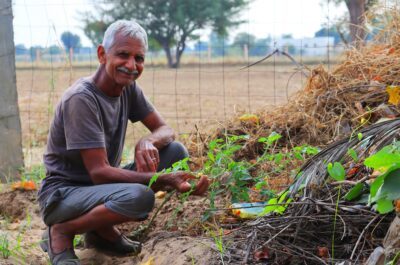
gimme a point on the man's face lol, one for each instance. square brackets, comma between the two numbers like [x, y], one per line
[124, 61]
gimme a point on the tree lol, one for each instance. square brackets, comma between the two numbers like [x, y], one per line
[20, 49]
[35, 52]
[261, 47]
[357, 9]
[54, 49]
[287, 36]
[94, 30]
[218, 44]
[329, 32]
[244, 38]
[70, 40]
[172, 23]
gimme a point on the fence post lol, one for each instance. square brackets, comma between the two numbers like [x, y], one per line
[11, 158]
[246, 52]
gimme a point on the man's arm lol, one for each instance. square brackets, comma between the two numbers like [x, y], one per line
[146, 150]
[161, 134]
[100, 171]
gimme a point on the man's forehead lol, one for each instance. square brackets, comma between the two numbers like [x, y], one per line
[122, 40]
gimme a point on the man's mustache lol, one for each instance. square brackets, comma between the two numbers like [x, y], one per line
[126, 71]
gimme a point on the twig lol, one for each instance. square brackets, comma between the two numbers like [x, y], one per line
[299, 65]
[361, 235]
[277, 234]
[253, 237]
[350, 182]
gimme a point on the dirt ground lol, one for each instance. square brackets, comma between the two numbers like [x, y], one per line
[204, 96]
[22, 228]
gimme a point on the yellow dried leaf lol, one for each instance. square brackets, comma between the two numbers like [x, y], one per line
[150, 261]
[160, 194]
[394, 94]
[251, 118]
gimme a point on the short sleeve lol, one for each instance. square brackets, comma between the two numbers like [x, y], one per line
[82, 123]
[140, 106]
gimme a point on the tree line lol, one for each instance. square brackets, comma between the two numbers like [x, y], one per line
[171, 24]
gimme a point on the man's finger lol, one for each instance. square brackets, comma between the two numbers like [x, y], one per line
[187, 176]
[201, 186]
[151, 163]
[184, 187]
[139, 164]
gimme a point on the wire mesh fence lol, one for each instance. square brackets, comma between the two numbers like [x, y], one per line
[201, 92]
[209, 88]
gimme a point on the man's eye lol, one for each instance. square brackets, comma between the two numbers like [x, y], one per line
[123, 55]
[139, 59]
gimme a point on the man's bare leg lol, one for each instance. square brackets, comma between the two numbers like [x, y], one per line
[99, 218]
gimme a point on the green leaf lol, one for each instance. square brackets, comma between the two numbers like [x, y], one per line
[384, 206]
[390, 188]
[359, 136]
[181, 165]
[211, 156]
[373, 190]
[262, 139]
[298, 155]
[355, 192]
[153, 179]
[383, 160]
[278, 157]
[353, 154]
[336, 171]
[273, 137]
[271, 206]
[261, 184]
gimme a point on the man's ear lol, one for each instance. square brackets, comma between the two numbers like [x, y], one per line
[101, 54]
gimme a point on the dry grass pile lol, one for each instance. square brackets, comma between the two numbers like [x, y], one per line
[333, 103]
[319, 227]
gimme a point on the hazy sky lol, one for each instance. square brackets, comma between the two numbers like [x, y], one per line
[41, 22]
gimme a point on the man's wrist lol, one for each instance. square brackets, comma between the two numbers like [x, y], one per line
[163, 179]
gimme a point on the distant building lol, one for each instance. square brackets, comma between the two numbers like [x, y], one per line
[317, 46]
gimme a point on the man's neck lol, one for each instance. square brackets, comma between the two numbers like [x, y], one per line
[106, 84]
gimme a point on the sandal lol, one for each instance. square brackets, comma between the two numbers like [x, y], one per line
[122, 246]
[65, 257]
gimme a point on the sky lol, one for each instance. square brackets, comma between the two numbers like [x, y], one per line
[41, 22]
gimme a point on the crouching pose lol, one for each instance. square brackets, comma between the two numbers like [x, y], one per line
[85, 190]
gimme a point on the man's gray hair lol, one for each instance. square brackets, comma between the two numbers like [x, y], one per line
[126, 28]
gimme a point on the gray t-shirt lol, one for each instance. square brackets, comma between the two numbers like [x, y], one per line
[87, 118]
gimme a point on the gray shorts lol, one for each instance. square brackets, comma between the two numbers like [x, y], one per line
[132, 200]
[129, 199]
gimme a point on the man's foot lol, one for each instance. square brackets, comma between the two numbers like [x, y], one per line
[64, 257]
[59, 239]
[121, 246]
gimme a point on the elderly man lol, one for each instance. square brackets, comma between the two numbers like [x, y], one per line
[85, 191]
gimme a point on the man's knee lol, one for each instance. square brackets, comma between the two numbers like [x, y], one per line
[134, 201]
[177, 150]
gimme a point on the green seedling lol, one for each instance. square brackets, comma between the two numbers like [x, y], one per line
[5, 246]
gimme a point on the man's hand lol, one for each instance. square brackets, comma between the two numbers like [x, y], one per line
[146, 156]
[180, 182]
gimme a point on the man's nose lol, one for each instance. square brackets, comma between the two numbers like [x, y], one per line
[131, 64]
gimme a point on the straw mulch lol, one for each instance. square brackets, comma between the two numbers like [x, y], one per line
[333, 104]
[319, 228]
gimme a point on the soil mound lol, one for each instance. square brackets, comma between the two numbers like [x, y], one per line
[16, 205]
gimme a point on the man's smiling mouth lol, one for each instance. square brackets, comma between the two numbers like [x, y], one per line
[124, 70]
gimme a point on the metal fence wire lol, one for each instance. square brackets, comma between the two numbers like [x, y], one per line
[211, 86]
